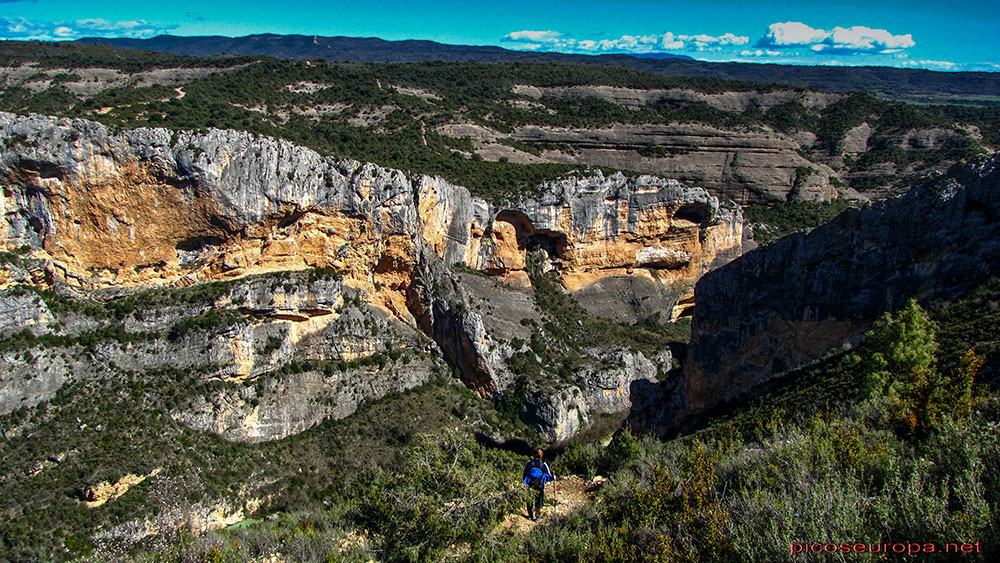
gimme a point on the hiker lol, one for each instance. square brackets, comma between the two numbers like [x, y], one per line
[536, 474]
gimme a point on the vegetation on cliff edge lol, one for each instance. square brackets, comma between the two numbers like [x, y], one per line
[398, 114]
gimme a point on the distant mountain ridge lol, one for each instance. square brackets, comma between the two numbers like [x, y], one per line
[340, 48]
[896, 83]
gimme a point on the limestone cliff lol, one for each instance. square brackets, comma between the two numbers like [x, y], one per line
[745, 165]
[102, 209]
[279, 352]
[785, 304]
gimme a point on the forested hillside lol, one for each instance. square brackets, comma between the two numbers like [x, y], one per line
[893, 83]
[500, 129]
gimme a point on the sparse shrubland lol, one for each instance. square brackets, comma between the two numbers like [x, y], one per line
[827, 457]
[887, 443]
[371, 464]
[821, 459]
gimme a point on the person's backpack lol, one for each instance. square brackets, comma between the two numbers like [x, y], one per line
[536, 477]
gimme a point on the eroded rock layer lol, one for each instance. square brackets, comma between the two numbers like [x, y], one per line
[103, 209]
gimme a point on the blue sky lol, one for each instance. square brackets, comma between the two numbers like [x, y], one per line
[911, 34]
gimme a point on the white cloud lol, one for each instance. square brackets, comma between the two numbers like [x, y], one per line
[729, 39]
[930, 64]
[856, 38]
[25, 29]
[635, 44]
[532, 36]
[539, 40]
[791, 34]
[863, 38]
[760, 53]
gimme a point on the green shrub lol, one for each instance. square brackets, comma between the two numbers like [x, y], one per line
[771, 222]
[898, 361]
[583, 459]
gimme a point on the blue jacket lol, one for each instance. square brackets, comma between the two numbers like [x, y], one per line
[539, 470]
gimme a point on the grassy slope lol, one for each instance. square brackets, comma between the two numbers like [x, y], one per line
[813, 460]
[116, 423]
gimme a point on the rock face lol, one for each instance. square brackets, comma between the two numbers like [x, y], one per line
[655, 233]
[104, 209]
[151, 206]
[633, 98]
[571, 408]
[746, 166]
[273, 407]
[23, 311]
[281, 351]
[97, 495]
[790, 302]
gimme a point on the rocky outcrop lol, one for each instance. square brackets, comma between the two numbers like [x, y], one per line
[615, 240]
[153, 206]
[107, 210]
[632, 98]
[561, 412]
[743, 165]
[282, 351]
[480, 323]
[785, 304]
[23, 311]
[195, 518]
[97, 495]
[276, 406]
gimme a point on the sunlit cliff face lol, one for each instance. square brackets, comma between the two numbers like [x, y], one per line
[131, 209]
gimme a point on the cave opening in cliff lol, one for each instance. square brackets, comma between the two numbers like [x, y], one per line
[530, 239]
[44, 170]
[552, 242]
[695, 213]
[290, 219]
[197, 244]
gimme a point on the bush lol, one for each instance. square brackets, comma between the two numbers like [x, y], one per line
[898, 361]
[669, 517]
[623, 451]
[583, 459]
[451, 490]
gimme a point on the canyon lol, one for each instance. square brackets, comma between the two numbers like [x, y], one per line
[325, 260]
[811, 295]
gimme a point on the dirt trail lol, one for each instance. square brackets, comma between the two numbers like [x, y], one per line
[570, 493]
